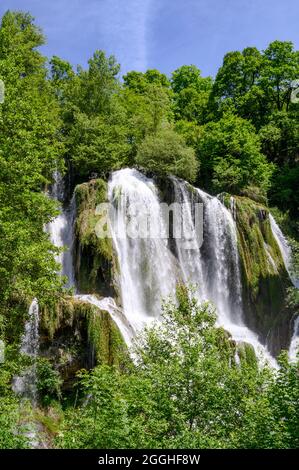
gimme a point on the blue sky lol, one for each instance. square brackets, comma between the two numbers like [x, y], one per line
[162, 34]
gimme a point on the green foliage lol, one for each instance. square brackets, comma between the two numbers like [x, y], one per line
[185, 390]
[167, 153]
[48, 381]
[140, 82]
[257, 86]
[104, 417]
[229, 150]
[99, 144]
[191, 94]
[10, 415]
[10, 429]
[146, 112]
[29, 152]
[284, 190]
[284, 399]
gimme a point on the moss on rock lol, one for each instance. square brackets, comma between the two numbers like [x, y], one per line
[95, 261]
[260, 254]
[76, 335]
[265, 279]
[104, 337]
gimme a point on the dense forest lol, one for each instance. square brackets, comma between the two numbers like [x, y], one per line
[236, 134]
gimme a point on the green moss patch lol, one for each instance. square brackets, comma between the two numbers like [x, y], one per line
[77, 334]
[259, 252]
[95, 260]
[264, 277]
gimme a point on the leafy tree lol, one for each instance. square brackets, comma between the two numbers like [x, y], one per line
[102, 422]
[255, 83]
[230, 156]
[97, 84]
[167, 153]
[280, 68]
[236, 83]
[284, 400]
[9, 424]
[191, 94]
[11, 427]
[139, 82]
[48, 381]
[280, 138]
[146, 112]
[30, 151]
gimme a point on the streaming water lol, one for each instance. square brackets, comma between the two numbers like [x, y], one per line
[25, 384]
[149, 269]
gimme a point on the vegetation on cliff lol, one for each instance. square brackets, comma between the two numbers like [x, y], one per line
[96, 264]
[83, 334]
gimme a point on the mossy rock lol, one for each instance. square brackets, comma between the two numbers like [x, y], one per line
[76, 335]
[265, 280]
[96, 265]
[260, 254]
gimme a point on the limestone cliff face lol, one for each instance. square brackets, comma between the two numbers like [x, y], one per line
[95, 262]
[264, 277]
[76, 335]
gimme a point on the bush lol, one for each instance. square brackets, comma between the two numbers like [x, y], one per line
[230, 156]
[48, 381]
[167, 153]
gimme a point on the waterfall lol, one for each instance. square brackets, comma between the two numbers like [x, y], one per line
[214, 266]
[25, 384]
[151, 263]
[285, 249]
[60, 230]
[294, 346]
[149, 268]
[221, 260]
[190, 259]
[146, 268]
[108, 304]
[286, 254]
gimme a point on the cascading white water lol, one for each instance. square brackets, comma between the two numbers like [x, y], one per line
[221, 260]
[190, 260]
[294, 346]
[147, 273]
[149, 270]
[25, 384]
[108, 304]
[219, 268]
[60, 230]
[214, 266]
[285, 249]
[286, 253]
